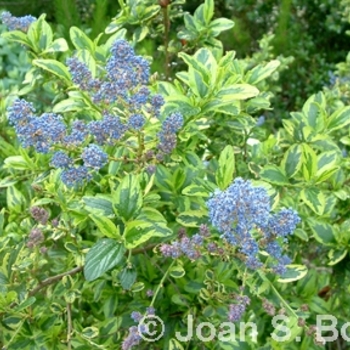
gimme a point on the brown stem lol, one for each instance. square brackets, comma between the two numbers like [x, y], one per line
[51, 280]
[69, 326]
[54, 279]
[166, 24]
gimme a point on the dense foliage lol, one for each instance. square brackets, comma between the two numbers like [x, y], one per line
[151, 178]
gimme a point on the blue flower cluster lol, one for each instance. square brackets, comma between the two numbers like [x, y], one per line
[78, 134]
[75, 176]
[107, 130]
[134, 336]
[40, 132]
[94, 157]
[81, 74]
[124, 82]
[167, 135]
[17, 23]
[189, 247]
[242, 214]
[237, 310]
[132, 339]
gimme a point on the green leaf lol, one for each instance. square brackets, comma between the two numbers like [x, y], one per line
[80, 40]
[90, 332]
[149, 11]
[19, 37]
[103, 256]
[54, 67]
[340, 119]
[208, 10]
[140, 231]
[293, 273]
[106, 226]
[219, 106]
[192, 218]
[202, 65]
[137, 287]
[336, 255]
[58, 45]
[86, 57]
[301, 234]
[326, 165]
[309, 165]
[274, 174]
[220, 25]
[315, 115]
[40, 34]
[2, 220]
[174, 345]
[195, 191]
[69, 105]
[99, 205]
[292, 160]
[16, 162]
[177, 271]
[127, 277]
[314, 199]
[15, 199]
[237, 92]
[261, 72]
[226, 169]
[140, 33]
[26, 303]
[127, 199]
[322, 231]
[7, 181]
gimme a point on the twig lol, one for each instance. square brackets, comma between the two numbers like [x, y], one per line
[49, 281]
[69, 328]
[166, 41]
[54, 279]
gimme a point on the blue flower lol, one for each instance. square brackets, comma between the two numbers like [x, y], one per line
[167, 135]
[20, 112]
[107, 130]
[61, 160]
[41, 132]
[17, 23]
[242, 214]
[75, 177]
[94, 157]
[237, 310]
[157, 103]
[132, 339]
[137, 121]
[78, 135]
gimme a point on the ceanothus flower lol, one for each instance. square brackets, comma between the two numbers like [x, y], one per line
[237, 310]
[107, 130]
[167, 135]
[242, 214]
[41, 132]
[136, 121]
[60, 159]
[17, 23]
[20, 112]
[75, 176]
[94, 157]
[81, 74]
